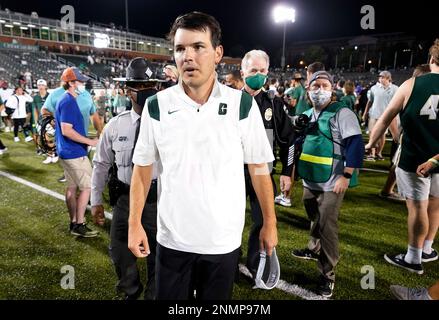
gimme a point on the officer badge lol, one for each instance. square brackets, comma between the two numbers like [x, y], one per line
[268, 114]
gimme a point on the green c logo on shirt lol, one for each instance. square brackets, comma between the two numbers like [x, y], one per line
[222, 110]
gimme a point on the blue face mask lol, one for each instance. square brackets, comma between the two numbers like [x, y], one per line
[80, 89]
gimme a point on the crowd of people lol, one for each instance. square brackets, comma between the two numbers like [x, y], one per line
[218, 134]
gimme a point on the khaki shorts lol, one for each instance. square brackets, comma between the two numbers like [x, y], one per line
[411, 186]
[77, 172]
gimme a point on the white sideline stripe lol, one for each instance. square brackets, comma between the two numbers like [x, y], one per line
[374, 170]
[44, 190]
[284, 286]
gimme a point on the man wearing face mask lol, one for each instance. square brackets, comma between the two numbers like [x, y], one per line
[332, 151]
[71, 144]
[115, 150]
[88, 112]
[278, 128]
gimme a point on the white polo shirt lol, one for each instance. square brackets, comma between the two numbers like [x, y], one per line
[201, 152]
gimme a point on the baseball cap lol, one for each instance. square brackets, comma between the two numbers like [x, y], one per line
[138, 70]
[385, 74]
[41, 82]
[321, 75]
[268, 274]
[73, 74]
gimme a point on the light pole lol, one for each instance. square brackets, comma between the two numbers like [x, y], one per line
[284, 14]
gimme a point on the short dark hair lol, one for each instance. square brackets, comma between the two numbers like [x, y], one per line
[316, 66]
[236, 74]
[66, 85]
[197, 21]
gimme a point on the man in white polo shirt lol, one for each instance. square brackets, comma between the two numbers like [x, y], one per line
[201, 133]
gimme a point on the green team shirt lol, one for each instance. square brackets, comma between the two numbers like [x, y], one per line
[349, 100]
[300, 95]
[420, 124]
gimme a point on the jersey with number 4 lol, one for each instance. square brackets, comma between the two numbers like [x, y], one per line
[420, 123]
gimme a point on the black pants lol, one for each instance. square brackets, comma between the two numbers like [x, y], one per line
[2, 146]
[123, 259]
[179, 273]
[257, 218]
[17, 124]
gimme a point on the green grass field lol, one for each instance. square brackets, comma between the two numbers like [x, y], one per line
[35, 243]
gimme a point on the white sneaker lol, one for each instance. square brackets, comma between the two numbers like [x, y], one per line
[7, 129]
[48, 160]
[282, 200]
[28, 139]
[16, 139]
[54, 159]
[3, 150]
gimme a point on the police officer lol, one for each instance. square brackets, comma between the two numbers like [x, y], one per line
[279, 131]
[114, 153]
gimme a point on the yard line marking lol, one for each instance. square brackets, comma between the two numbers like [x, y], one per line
[374, 170]
[284, 286]
[44, 190]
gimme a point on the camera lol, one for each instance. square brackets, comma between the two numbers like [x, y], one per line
[300, 123]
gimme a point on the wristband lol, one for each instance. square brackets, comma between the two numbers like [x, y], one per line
[347, 175]
[434, 161]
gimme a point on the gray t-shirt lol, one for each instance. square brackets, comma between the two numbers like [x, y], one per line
[343, 125]
[380, 98]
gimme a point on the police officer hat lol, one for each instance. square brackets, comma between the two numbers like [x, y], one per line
[139, 70]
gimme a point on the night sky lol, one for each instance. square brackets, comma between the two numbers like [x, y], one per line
[248, 24]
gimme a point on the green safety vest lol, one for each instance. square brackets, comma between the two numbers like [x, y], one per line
[317, 157]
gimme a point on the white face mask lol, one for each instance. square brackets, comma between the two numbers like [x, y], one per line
[80, 88]
[320, 97]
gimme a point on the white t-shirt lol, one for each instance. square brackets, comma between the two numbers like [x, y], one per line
[201, 152]
[380, 97]
[19, 105]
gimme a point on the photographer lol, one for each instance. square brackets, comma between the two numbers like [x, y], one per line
[332, 149]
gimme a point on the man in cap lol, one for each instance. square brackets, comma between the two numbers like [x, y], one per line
[380, 96]
[332, 150]
[71, 145]
[115, 150]
[295, 91]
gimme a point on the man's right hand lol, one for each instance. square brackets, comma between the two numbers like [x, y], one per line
[137, 241]
[97, 212]
[93, 142]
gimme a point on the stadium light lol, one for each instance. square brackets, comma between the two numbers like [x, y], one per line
[31, 26]
[24, 28]
[16, 23]
[284, 14]
[141, 42]
[2, 21]
[101, 40]
[45, 28]
[9, 26]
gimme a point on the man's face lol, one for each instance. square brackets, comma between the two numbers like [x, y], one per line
[255, 65]
[230, 81]
[41, 88]
[19, 91]
[322, 84]
[384, 81]
[195, 56]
